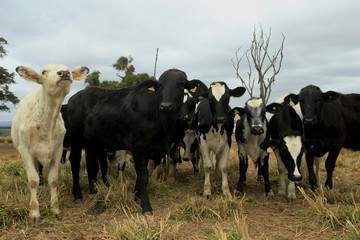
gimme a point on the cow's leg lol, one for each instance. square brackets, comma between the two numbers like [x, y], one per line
[310, 165]
[53, 181]
[207, 165]
[243, 165]
[171, 159]
[103, 166]
[265, 172]
[75, 159]
[281, 169]
[222, 159]
[142, 180]
[92, 167]
[63, 156]
[330, 166]
[33, 180]
[318, 161]
[291, 190]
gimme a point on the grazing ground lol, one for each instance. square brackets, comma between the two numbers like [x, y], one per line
[180, 212]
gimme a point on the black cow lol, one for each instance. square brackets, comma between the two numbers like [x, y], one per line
[332, 118]
[214, 124]
[140, 119]
[250, 133]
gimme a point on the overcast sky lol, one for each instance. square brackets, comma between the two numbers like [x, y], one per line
[322, 45]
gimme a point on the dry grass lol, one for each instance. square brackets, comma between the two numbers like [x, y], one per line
[180, 212]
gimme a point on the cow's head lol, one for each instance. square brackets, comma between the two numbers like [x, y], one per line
[187, 110]
[290, 149]
[172, 84]
[255, 111]
[311, 100]
[55, 78]
[219, 97]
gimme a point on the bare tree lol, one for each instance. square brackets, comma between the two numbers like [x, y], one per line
[257, 56]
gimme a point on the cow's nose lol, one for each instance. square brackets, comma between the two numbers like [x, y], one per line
[257, 130]
[295, 178]
[64, 74]
[186, 117]
[166, 107]
[308, 121]
[220, 119]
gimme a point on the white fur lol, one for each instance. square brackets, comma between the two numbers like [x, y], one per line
[282, 188]
[217, 90]
[185, 98]
[254, 103]
[294, 144]
[38, 129]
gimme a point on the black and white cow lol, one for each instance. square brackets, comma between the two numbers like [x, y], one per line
[285, 130]
[250, 133]
[140, 119]
[185, 137]
[214, 123]
[331, 118]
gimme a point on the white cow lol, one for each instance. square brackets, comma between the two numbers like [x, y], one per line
[38, 129]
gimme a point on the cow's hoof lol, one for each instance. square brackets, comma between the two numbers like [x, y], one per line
[281, 193]
[291, 196]
[148, 213]
[78, 201]
[239, 194]
[270, 195]
[34, 221]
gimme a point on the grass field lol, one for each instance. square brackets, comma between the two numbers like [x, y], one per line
[180, 212]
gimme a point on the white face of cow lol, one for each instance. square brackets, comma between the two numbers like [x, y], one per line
[255, 113]
[294, 147]
[55, 78]
[217, 90]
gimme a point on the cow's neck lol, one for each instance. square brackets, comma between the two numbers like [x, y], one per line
[49, 106]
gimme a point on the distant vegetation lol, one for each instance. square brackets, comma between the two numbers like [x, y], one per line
[5, 131]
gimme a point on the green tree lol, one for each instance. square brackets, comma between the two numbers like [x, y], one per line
[6, 79]
[129, 78]
[93, 79]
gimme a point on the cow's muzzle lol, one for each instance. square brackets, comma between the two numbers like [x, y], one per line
[64, 75]
[167, 107]
[257, 130]
[309, 121]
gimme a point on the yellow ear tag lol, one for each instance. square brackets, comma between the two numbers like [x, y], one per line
[291, 103]
[274, 108]
[151, 89]
[193, 89]
[236, 112]
[237, 116]
[200, 97]
[269, 150]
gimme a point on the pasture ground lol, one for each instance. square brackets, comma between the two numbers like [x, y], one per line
[180, 212]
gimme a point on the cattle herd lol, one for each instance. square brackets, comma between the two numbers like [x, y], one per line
[155, 118]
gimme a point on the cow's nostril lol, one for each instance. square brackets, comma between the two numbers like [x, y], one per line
[166, 107]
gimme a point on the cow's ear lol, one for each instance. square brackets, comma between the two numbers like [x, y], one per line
[237, 112]
[237, 92]
[314, 145]
[79, 72]
[330, 96]
[29, 74]
[197, 88]
[269, 145]
[148, 86]
[291, 99]
[274, 108]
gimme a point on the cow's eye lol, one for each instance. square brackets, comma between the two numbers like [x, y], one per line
[43, 72]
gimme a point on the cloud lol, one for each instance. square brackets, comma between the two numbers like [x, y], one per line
[199, 37]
